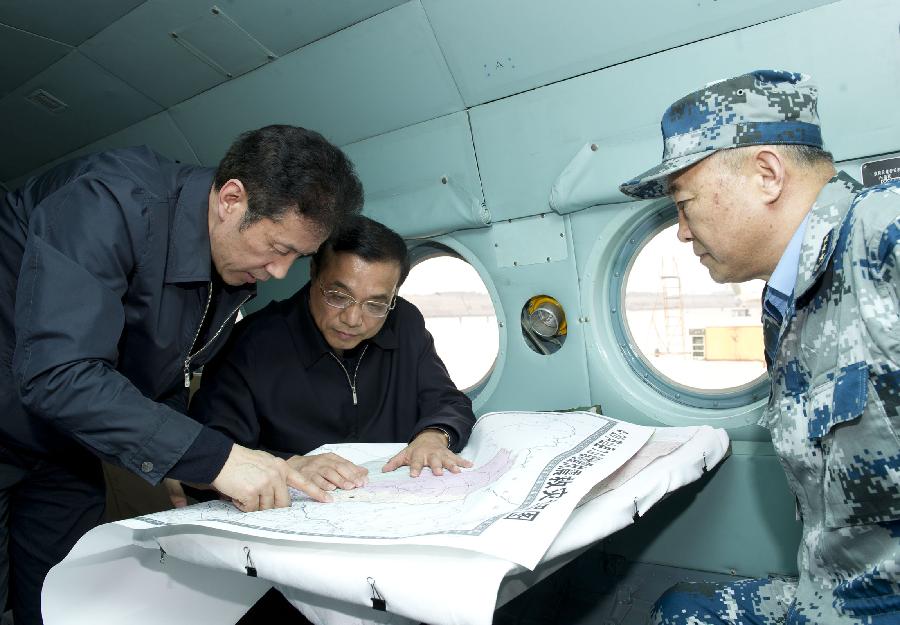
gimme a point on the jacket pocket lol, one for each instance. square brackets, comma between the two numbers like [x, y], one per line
[859, 447]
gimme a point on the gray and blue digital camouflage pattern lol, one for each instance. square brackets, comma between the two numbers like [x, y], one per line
[834, 416]
[764, 107]
[746, 602]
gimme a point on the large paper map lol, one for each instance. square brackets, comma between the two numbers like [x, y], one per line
[530, 470]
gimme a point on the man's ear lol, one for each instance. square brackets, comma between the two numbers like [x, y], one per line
[769, 172]
[232, 197]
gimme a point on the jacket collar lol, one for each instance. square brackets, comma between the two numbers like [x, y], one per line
[189, 257]
[826, 215]
[309, 341]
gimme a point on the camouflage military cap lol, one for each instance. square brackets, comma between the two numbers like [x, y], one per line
[764, 107]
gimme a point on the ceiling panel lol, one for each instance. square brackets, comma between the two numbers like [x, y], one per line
[158, 132]
[379, 75]
[834, 43]
[231, 41]
[69, 21]
[499, 47]
[140, 50]
[98, 104]
[285, 25]
[22, 55]
[427, 170]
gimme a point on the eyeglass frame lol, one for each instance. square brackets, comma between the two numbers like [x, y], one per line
[353, 302]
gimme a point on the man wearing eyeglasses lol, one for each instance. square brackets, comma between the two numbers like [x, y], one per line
[343, 360]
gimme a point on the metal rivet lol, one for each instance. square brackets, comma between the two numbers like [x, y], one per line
[548, 259]
[443, 179]
[230, 75]
[496, 245]
[501, 323]
[612, 310]
[271, 57]
[173, 35]
[594, 147]
[215, 10]
[515, 263]
[562, 234]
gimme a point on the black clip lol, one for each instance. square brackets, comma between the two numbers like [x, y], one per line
[637, 514]
[251, 570]
[704, 462]
[162, 555]
[378, 602]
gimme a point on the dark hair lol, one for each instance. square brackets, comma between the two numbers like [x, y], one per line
[370, 240]
[291, 168]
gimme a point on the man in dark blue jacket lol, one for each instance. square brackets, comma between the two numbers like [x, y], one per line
[121, 274]
[343, 360]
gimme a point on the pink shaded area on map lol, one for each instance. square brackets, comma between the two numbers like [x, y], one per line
[433, 488]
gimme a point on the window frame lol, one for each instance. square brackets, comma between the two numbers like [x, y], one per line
[422, 250]
[641, 232]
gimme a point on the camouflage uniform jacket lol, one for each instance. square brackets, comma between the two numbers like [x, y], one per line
[834, 409]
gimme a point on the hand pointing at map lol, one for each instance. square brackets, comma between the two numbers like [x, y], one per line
[428, 449]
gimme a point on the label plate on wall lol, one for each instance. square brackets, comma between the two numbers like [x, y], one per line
[530, 240]
[879, 172]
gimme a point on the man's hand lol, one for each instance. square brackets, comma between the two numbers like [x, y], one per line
[256, 480]
[329, 471]
[175, 492]
[428, 449]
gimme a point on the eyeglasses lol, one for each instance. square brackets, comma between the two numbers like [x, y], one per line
[371, 308]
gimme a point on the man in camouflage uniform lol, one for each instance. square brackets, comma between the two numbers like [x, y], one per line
[758, 197]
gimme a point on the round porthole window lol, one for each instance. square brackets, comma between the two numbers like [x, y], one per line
[696, 341]
[459, 314]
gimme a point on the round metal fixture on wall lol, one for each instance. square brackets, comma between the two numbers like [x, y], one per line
[544, 324]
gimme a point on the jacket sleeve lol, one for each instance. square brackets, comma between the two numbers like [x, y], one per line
[225, 401]
[441, 404]
[69, 317]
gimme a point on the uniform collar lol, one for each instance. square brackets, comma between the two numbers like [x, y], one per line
[189, 254]
[309, 340]
[820, 238]
[784, 278]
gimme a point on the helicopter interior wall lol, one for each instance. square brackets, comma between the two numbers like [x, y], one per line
[461, 116]
[248, 35]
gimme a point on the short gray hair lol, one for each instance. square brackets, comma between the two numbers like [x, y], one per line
[804, 156]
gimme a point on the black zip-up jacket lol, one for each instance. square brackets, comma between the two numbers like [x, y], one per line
[104, 277]
[278, 386]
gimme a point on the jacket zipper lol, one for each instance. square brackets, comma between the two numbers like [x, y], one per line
[187, 361]
[355, 371]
